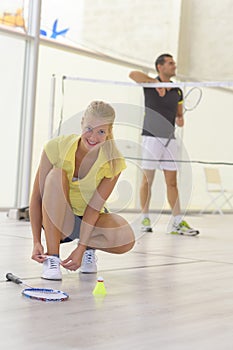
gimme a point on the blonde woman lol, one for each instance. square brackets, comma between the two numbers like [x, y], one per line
[75, 177]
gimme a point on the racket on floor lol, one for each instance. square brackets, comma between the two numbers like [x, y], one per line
[191, 101]
[43, 294]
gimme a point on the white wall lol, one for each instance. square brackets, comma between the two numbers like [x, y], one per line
[208, 137]
[206, 40]
[134, 29]
[11, 63]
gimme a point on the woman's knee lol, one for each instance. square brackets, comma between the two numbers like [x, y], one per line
[126, 247]
[113, 233]
[119, 249]
[124, 239]
[56, 188]
[56, 178]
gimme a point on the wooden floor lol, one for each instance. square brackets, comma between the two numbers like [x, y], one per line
[169, 292]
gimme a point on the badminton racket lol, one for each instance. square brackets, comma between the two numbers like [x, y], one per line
[191, 101]
[43, 294]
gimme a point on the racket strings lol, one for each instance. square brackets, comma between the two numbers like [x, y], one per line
[192, 98]
[45, 294]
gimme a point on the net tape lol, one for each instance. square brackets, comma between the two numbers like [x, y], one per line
[224, 84]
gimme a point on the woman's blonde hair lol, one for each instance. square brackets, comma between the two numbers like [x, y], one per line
[103, 111]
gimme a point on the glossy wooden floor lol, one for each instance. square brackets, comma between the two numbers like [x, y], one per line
[169, 292]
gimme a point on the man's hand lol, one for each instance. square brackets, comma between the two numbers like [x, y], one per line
[180, 121]
[161, 91]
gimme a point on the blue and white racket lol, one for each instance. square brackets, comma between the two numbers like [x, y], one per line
[43, 294]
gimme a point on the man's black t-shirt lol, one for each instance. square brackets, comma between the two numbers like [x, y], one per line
[160, 112]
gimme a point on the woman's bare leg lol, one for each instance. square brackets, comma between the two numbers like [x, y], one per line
[112, 234]
[58, 217]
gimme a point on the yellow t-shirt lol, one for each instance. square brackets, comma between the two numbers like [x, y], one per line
[61, 153]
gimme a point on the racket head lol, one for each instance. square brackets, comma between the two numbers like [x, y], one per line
[45, 294]
[192, 98]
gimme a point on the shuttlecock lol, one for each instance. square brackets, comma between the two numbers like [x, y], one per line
[99, 287]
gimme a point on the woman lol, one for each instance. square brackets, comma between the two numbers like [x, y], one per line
[75, 177]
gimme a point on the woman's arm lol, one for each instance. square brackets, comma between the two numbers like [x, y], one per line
[96, 203]
[90, 217]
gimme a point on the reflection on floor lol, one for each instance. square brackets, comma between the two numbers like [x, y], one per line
[169, 292]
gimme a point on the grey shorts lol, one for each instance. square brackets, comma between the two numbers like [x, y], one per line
[75, 232]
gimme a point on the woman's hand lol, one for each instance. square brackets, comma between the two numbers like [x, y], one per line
[38, 253]
[74, 260]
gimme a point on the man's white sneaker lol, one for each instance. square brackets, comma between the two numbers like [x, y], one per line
[184, 229]
[51, 268]
[88, 262]
[146, 225]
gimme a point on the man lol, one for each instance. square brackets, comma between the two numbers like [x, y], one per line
[163, 109]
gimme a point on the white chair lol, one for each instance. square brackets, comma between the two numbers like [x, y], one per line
[218, 194]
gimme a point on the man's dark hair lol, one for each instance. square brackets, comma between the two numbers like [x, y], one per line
[161, 59]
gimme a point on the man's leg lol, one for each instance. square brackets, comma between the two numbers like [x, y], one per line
[172, 191]
[179, 226]
[145, 190]
[145, 196]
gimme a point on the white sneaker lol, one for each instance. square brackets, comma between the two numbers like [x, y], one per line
[88, 262]
[183, 228]
[51, 268]
[146, 225]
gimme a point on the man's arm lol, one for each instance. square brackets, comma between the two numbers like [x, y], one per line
[140, 77]
[179, 115]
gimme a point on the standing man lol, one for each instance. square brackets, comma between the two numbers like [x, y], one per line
[163, 109]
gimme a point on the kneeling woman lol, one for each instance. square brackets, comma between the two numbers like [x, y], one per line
[75, 177]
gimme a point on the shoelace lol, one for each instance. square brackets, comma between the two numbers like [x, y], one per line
[53, 263]
[89, 257]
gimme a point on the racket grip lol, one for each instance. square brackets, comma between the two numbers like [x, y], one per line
[13, 278]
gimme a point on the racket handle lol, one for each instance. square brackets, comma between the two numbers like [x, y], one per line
[13, 278]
